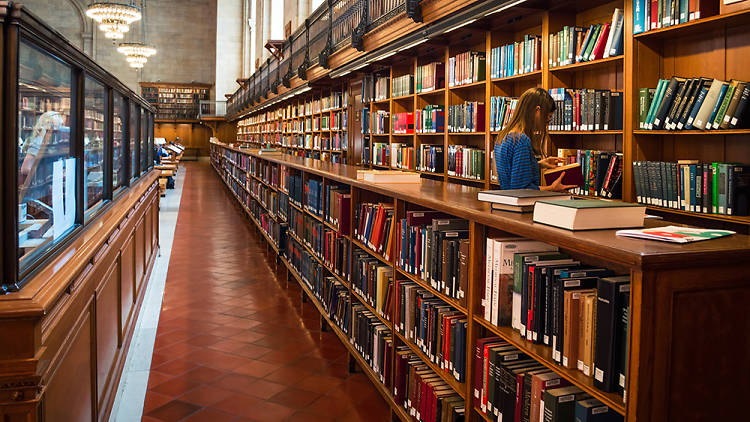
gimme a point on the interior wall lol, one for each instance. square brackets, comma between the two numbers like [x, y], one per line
[183, 32]
[192, 135]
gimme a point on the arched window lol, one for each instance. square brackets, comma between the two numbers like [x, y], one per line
[277, 20]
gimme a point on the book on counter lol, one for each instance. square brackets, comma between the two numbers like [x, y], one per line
[388, 176]
[589, 214]
[517, 200]
[676, 234]
[573, 175]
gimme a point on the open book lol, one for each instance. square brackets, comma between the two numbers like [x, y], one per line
[675, 234]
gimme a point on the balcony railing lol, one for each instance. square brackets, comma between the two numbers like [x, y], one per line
[335, 25]
[210, 108]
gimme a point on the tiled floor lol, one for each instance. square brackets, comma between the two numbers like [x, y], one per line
[234, 343]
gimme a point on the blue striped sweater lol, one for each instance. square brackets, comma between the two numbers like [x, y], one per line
[517, 167]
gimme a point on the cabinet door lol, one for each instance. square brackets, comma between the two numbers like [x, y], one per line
[127, 282]
[107, 331]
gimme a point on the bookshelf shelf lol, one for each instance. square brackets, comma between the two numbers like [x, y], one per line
[585, 132]
[466, 133]
[543, 354]
[403, 97]
[703, 25]
[718, 132]
[434, 92]
[466, 179]
[426, 284]
[430, 134]
[370, 308]
[467, 86]
[744, 220]
[458, 387]
[372, 253]
[594, 64]
[523, 76]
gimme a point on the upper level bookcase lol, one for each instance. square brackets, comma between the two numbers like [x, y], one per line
[175, 101]
[713, 45]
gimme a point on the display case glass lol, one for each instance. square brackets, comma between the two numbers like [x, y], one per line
[46, 163]
[93, 141]
[144, 143]
[119, 169]
[133, 134]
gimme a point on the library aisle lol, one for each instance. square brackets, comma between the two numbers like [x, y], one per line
[234, 341]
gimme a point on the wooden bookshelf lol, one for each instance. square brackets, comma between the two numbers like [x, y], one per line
[175, 102]
[670, 286]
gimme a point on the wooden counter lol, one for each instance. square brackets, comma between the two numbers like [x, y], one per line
[688, 318]
[64, 336]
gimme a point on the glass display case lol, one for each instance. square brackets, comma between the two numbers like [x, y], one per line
[119, 169]
[93, 142]
[64, 144]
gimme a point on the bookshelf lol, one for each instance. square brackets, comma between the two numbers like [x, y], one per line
[668, 282]
[711, 46]
[175, 101]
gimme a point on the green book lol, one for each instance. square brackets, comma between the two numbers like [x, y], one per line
[644, 101]
[724, 104]
[656, 102]
[592, 42]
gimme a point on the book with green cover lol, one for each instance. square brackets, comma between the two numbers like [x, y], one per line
[591, 43]
[724, 104]
[660, 87]
[643, 105]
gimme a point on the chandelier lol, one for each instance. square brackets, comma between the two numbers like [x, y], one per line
[137, 54]
[113, 18]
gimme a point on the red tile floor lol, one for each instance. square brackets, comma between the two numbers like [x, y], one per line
[234, 341]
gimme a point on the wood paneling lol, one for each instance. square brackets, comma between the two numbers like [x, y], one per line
[107, 330]
[69, 395]
[127, 282]
[140, 256]
[192, 135]
[148, 224]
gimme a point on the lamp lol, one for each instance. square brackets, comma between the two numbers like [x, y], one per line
[136, 53]
[113, 18]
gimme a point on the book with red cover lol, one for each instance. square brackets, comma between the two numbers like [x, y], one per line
[573, 175]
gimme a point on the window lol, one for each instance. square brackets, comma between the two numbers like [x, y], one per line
[277, 20]
[133, 133]
[46, 165]
[119, 170]
[315, 4]
[93, 142]
[151, 149]
[144, 142]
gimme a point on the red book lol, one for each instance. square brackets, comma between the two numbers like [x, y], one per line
[655, 14]
[573, 175]
[598, 52]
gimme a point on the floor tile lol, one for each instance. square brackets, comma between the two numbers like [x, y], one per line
[173, 411]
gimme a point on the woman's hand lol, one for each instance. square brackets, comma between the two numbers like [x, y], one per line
[557, 185]
[550, 162]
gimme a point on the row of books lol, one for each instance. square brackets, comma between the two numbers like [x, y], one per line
[295, 188]
[435, 248]
[510, 385]
[422, 392]
[402, 85]
[335, 253]
[586, 109]
[438, 330]
[467, 162]
[517, 58]
[380, 122]
[374, 342]
[380, 153]
[430, 158]
[466, 68]
[575, 44]
[365, 114]
[268, 198]
[654, 14]
[501, 110]
[430, 119]
[334, 299]
[338, 200]
[381, 86]
[314, 196]
[374, 227]
[689, 185]
[402, 156]
[430, 77]
[337, 142]
[466, 117]
[601, 170]
[693, 103]
[373, 281]
[402, 123]
[283, 212]
[333, 100]
[551, 299]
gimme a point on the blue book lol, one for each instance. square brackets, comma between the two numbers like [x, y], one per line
[719, 100]
[639, 8]
[696, 107]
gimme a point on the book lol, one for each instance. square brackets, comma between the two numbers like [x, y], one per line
[518, 197]
[388, 176]
[676, 234]
[559, 403]
[606, 372]
[573, 175]
[712, 98]
[592, 410]
[589, 214]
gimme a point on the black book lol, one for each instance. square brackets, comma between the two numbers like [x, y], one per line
[677, 103]
[690, 89]
[622, 327]
[615, 98]
[690, 103]
[527, 279]
[513, 388]
[540, 323]
[637, 181]
[738, 119]
[741, 190]
[602, 168]
[605, 367]
[606, 109]
[598, 110]
[559, 403]
[667, 100]
[502, 379]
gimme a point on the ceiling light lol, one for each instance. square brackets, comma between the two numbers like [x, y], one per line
[113, 18]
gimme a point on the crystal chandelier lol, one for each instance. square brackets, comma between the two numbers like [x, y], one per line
[113, 18]
[136, 53]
